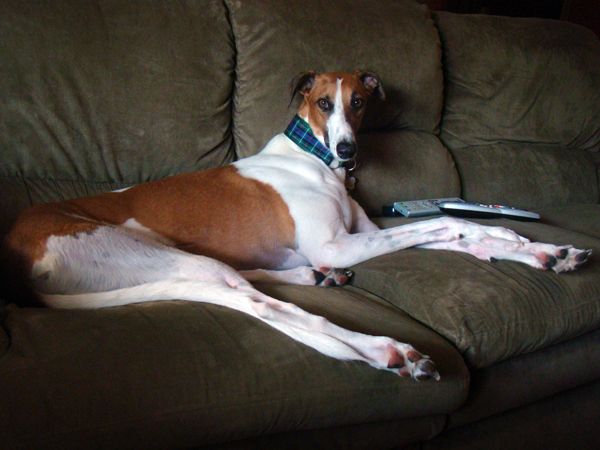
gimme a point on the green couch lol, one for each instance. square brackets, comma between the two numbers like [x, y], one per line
[101, 94]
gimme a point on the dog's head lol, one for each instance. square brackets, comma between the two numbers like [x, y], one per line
[334, 105]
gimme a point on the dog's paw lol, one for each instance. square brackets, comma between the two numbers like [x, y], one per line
[567, 259]
[411, 363]
[329, 277]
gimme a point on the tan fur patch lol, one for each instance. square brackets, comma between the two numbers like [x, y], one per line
[325, 86]
[216, 213]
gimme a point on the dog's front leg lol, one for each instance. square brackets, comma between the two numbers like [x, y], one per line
[344, 249]
[360, 221]
[559, 258]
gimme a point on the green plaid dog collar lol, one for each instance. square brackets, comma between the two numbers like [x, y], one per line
[301, 134]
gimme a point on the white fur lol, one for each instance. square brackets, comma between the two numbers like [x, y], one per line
[134, 225]
[122, 189]
[339, 130]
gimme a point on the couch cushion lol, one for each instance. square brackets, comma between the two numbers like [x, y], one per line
[490, 312]
[277, 40]
[370, 435]
[519, 80]
[178, 374]
[568, 420]
[530, 176]
[531, 377]
[110, 92]
[402, 165]
[521, 109]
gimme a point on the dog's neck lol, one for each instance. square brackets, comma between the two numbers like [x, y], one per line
[301, 134]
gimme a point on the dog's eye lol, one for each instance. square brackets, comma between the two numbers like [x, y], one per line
[324, 104]
[356, 103]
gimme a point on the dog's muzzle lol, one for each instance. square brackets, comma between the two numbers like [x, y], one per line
[346, 150]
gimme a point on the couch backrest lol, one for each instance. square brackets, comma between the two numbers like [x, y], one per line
[522, 111]
[400, 153]
[101, 94]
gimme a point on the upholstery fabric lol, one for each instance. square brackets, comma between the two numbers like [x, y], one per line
[297, 36]
[562, 367]
[520, 95]
[101, 94]
[583, 218]
[402, 165]
[179, 374]
[519, 80]
[568, 420]
[524, 175]
[110, 92]
[378, 435]
[490, 312]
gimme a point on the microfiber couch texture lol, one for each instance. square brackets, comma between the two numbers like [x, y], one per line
[522, 108]
[174, 375]
[101, 94]
[104, 94]
[490, 312]
[403, 49]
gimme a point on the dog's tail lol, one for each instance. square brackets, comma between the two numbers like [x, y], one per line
[178, 289]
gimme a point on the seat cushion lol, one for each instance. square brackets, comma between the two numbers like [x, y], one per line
[531, 377]
[490, 312]
[179, 374]
[568, 420]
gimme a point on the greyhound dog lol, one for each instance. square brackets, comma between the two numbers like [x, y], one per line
[283, 215]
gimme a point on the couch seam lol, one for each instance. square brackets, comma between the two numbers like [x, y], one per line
[234, 84]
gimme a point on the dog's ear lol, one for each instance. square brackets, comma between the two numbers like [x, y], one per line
[371, 82]
[302, 84]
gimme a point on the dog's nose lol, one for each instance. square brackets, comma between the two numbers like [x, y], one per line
[346, 150]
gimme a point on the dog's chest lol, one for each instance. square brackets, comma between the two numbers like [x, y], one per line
[315, 196]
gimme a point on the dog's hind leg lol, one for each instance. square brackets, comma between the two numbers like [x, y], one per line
[311, 330]
[113, 257]
[112, 267]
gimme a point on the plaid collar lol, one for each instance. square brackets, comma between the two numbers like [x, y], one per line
[301, 134]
